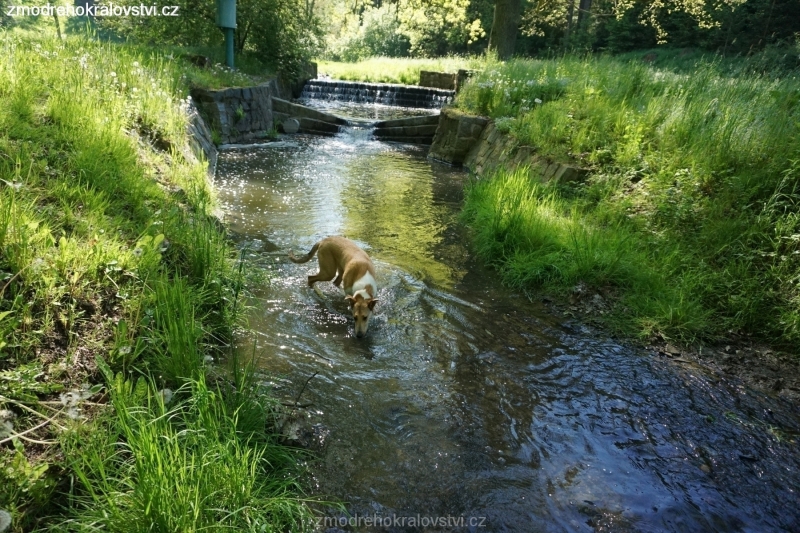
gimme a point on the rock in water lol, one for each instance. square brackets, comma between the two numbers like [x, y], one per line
[291, 125]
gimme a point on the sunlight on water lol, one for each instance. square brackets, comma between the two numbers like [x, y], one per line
[466, 399]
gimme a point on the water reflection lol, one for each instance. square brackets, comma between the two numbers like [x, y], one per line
[465, 399]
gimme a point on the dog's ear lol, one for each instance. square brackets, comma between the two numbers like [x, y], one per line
[372, 303]
[349, 299]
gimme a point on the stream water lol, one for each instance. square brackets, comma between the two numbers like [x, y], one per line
[466, 400]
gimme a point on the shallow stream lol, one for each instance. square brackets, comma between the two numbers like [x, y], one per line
[467, 400]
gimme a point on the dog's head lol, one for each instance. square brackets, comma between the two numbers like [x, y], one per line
[362, 310]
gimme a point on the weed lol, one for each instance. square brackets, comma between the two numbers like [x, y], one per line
[690, 207]
[182, 465]
[108, 247]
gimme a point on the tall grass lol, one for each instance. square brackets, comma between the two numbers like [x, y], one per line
[108, 249]
[690, 168]
[394, 69]
[537, 238]
[182, 464]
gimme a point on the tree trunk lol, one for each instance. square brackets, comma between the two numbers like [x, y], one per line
[584, 8]
[503, 36]
[58, 26]
[570, 15]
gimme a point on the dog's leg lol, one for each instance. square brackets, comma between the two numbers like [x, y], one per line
[338, 280]
[327, 268]
[321, 276]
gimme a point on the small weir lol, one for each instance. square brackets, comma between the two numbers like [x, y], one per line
[467, 400]
[376, 93]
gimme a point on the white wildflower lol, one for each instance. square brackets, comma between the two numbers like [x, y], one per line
[166, 395]
[538, 101]
[6, 429]
[5, 520]
[113, 74]
[69, 399]
[208, 359]
[124, 350]
[135, 63]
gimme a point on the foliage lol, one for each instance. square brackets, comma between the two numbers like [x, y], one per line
[420, 28]
[738, 26]
[435, 27]
[394, 70]
[535, 237]
[697, 171]
[274, 30]
[376, 33]
[108, 247]
[269, 29]
[181, 463]
[22, 382]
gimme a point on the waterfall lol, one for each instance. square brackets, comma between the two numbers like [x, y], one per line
[358, 132]
[377, 93]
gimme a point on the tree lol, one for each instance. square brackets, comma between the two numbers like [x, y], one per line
[435, 27]
[503, 37]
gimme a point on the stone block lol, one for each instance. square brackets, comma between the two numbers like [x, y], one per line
[438, 80]
[566, 173]
[549, 171]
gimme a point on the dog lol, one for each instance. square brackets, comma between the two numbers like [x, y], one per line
[343, 259]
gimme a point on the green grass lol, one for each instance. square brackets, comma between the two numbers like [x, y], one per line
[394, 69]
[109, 252]
[196, 462]
[774, 60]
[537, 238]
[696, 173]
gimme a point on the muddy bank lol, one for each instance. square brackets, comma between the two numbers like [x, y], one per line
[737, 359]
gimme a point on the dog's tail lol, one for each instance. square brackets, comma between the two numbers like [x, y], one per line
[306, 258]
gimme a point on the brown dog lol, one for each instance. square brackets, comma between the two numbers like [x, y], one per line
[343, 259]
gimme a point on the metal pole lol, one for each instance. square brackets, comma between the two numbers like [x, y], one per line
[229, 46]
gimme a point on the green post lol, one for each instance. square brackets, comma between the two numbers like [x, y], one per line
[226, 19]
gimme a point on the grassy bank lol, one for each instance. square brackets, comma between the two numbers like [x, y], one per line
[118, 294]
[393, 69]
[689, 217]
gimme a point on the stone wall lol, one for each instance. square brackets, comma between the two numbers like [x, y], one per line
[414, 130]
[200, 139]
[462, 77]
[477, 144]
[238, 114]
[438, 80]
[456, 135]
[495, 149]
[309, 120]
